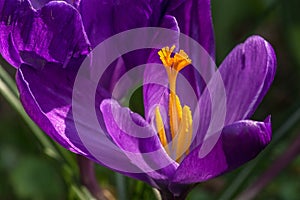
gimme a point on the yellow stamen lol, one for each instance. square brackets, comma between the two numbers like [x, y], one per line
[184, 136]
[165, 55]
[181, 60]
[180, 118]
[178, 62]
[175, 113]
[161, 130]
[173, 64]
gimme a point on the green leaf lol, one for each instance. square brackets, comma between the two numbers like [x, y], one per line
[33, 178]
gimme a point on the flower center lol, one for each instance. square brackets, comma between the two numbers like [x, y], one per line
[180, 117]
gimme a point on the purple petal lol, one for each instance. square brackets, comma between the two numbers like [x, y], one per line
[103, 19]
[155, 88]
[197, 25]
[247, 73]
[46, 95]
[194, 19]
[173, 4]
[37, 4]
[52, 34]
[234, 93]
[139, 141]
[239, 143]
[155, 82]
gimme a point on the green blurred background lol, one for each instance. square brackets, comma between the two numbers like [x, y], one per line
[28, 173]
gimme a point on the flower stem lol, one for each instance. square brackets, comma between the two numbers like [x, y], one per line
[121, 190]
[88, 177]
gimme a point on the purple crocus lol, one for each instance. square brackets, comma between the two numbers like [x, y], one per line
[48, 45]
[246, 73]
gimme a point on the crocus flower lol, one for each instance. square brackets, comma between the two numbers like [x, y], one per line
[48, 45]
[247, 73]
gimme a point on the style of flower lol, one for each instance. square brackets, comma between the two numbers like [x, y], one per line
[48, 45]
